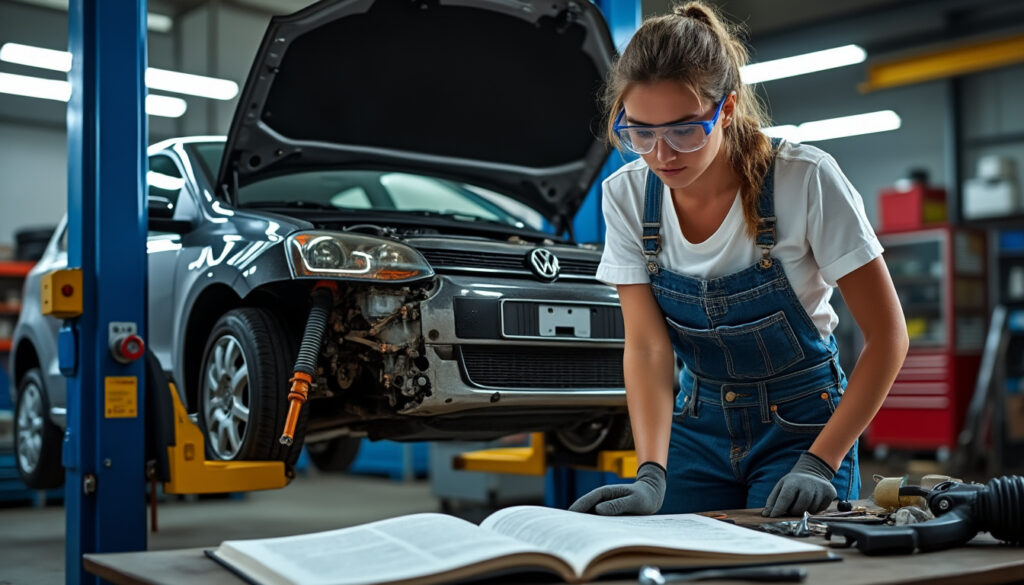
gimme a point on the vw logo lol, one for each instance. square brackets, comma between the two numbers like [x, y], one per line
[544, 264]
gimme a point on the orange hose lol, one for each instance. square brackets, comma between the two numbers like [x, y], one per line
[296, 397]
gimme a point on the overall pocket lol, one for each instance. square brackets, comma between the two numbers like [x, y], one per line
[760, 349]
[807, 413]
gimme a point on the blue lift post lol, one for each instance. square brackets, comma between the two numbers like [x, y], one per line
[623, 18]
[564, 485]
[107, 134]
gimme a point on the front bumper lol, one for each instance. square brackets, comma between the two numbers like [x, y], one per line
[469, 319]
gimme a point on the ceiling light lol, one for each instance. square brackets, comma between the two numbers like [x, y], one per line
[198, 85]
[165, 106]
[36, 57]
[37, 87]
[869, 123]
[159, 79]
[60, 90]
[801, 64]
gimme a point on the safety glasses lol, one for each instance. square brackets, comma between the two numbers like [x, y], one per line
[681, 136]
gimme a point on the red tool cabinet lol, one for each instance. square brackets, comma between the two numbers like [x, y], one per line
[940, 276]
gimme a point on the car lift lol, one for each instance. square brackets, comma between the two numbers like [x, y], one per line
[104, 441]
[539, 459]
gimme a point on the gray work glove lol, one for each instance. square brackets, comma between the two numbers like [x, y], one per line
[643, 496]
[806, 488]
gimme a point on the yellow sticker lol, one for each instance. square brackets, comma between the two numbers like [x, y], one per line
[121, 398]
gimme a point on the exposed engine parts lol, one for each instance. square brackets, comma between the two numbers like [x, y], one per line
[375, 338]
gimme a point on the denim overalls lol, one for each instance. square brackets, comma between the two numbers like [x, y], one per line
[758, 383]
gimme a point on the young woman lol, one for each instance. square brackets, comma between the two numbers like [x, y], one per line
[725, 246]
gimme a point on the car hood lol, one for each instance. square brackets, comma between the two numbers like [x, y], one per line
[498, 93]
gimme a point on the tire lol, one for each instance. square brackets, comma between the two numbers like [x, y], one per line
[243, 420]
[579, 444]
[334, 455]
[37, 441]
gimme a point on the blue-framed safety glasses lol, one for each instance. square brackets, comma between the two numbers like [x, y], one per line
[681, 136]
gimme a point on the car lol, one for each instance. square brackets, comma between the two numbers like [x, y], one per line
[429, 192]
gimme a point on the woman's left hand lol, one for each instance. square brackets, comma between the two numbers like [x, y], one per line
[806, 488]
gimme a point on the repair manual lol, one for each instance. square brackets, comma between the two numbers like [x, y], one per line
[437, 548]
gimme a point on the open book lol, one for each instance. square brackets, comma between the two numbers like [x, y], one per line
[436, 548]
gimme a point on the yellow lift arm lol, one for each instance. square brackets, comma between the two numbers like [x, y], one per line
[532, 460]
[191, 473]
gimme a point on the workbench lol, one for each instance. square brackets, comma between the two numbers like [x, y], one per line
[984, 560]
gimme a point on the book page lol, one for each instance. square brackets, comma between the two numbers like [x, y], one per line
[384, 551]
[580, 538]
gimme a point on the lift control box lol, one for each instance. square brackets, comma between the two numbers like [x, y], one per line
[61, 293]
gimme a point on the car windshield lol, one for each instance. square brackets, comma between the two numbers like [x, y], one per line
[379, 191]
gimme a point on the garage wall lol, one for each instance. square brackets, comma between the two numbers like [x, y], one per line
[33, 140]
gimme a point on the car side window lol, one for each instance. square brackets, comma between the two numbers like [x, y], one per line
[164, 181]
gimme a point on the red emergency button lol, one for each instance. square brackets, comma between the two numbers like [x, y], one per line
[131, 348]
[67, 290]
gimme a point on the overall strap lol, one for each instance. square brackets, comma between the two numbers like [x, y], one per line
[652, 220]
[766, 211]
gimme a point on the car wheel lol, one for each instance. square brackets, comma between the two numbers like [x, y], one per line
[243, 398]
[334, 455]
[37, 441]
[580, 443]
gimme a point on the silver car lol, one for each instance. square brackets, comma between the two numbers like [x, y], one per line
[424, 190]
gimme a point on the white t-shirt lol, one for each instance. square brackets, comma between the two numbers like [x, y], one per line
[822, 232]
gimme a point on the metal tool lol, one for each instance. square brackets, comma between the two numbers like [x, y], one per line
[650, 575]
[961, 511]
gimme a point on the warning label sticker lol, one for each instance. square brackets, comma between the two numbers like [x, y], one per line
[121, 396]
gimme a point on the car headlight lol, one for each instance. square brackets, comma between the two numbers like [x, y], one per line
[353, 256]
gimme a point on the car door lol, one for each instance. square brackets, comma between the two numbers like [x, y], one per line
[167, 196]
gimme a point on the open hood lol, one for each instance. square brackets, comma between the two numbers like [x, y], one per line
[498, 93]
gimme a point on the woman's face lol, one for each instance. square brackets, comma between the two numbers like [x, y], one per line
[667, 102]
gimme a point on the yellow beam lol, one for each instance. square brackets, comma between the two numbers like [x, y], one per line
[960, 60]
[516, 460]
[532, 460]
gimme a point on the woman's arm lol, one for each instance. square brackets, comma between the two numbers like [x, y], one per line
[871, 298]
[647, 365]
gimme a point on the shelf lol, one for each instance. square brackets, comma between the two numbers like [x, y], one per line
[15, 269]
[5, 345]
[997, 140]
[10, 308]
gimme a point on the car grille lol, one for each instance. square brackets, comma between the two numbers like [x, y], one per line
[542, 367]
[502, 262]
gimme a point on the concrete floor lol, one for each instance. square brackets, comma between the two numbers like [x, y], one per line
[32, 538]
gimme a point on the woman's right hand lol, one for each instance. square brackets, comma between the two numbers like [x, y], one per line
[643, 496]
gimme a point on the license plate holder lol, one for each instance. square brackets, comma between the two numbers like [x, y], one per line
[564, 321]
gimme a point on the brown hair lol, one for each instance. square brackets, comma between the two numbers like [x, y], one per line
[696, 47]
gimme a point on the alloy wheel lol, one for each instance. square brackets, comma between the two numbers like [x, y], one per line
[226, 397]
[30, 427]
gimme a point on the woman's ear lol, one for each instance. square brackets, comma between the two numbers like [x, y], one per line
[728, 108]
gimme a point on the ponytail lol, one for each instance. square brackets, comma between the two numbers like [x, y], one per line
[697, 47]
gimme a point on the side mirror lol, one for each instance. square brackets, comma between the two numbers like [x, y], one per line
[161, 216]
[159, 207]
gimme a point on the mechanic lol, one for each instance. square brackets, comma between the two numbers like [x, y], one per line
[725, 246]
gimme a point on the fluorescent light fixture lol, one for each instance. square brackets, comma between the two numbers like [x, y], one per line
[159, 22]
[198, 85]
[60, 90]
[37, 87]
[36, 57]
[802, 64]
[165, 106]
[869, 123]
[159, 79]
